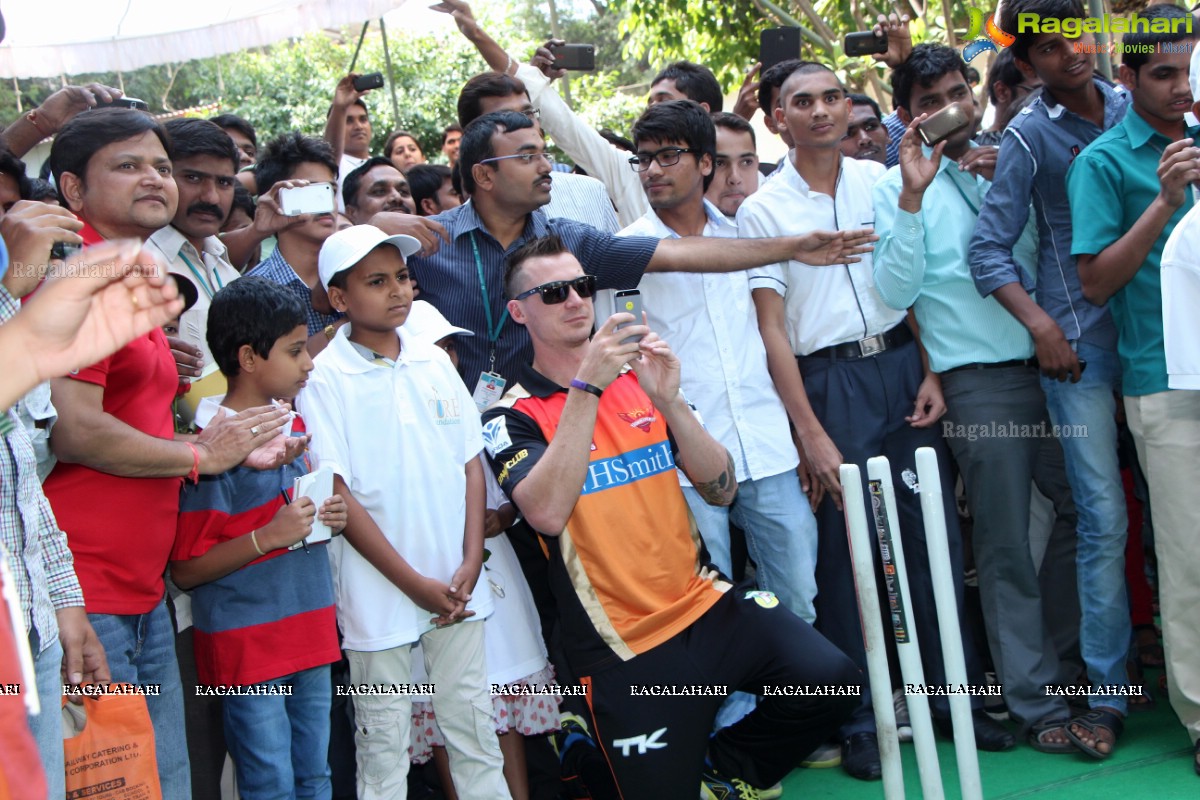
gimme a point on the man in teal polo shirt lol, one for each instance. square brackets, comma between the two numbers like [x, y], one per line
[1128, 190]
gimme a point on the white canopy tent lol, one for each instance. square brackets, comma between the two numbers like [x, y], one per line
[71, 37]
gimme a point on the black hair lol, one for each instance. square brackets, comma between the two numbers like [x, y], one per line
[253, 311]
[391, 141]
[616, 140]
[696, 82]
[87, 133]
[242, 199]
[724, 119]
[679, 121]
[41, 190]
[541, 247]
[1003, 70]
[1137, 45]
[187, 291]
[476, 142]
[480, 87]
[199, 137]
[358, 101]
[236, 123]
[453, 127]
[927, 63]
[11, 165]
[282, 155]
[864, 100]
[425, 181]
[354, 177]
[1011, 11]
[776, 76]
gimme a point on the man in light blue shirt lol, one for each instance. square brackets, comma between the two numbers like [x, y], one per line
[990, 384]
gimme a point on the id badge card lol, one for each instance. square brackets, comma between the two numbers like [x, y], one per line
[488, 390]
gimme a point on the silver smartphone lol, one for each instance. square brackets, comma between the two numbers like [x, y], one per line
[629, 300]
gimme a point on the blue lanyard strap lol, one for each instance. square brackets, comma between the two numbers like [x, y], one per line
[957, 185]
[493, 333]
[204, 284]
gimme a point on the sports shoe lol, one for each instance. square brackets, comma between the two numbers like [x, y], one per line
[715, 786]
[903, 723]
[772, 793]
[572, 730]
[584, 771]
[826, 756]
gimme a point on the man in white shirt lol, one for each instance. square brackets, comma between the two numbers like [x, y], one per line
[852, 379]
[709, 321]
[600, 158]
[348, 131]
[205, 167]
[735, 172]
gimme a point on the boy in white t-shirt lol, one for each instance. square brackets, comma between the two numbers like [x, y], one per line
[401, 433]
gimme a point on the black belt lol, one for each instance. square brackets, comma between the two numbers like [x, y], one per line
[1018, 362]
[864, 348]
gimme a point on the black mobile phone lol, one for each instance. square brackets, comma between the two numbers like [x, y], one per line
[942, 125]
[776, 45]
[579, 57]
[372, 80]
[864, 43]
[61, 250]
[126, 102]
[629, 300]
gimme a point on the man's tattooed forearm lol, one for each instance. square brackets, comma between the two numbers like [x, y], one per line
[719, 491]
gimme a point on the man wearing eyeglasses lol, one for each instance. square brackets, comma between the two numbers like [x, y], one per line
[587, 448]
[710, 322]
[504, 167]
[576, 197]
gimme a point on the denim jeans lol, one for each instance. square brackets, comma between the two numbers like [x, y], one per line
[1085, 414]
[47, 726]
[781, 535]
[141, 650]
[280, 744]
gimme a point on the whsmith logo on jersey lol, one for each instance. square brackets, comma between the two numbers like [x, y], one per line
[626, 468]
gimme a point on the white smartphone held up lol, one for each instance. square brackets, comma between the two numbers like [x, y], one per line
[316, 198]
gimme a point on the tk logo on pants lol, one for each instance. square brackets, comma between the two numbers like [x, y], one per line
[642, 742]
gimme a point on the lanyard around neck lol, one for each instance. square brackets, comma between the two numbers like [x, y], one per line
[493, 332]
[971, 205]
[204, 284]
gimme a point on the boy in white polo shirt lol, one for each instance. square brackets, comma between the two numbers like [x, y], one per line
[393, 419]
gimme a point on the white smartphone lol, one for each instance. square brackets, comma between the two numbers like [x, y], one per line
[316, 198]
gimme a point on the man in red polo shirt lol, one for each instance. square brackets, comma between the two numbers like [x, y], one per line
[115, 490]
[588, 452]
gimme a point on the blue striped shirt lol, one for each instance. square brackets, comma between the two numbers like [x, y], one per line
[276, 268]
[450, 280]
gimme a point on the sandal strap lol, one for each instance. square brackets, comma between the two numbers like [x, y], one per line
[1099, 718]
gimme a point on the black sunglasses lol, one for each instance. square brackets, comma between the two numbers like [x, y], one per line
[556, 292]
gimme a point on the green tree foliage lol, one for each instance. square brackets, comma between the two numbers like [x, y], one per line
[289, 85]
[725, 36]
